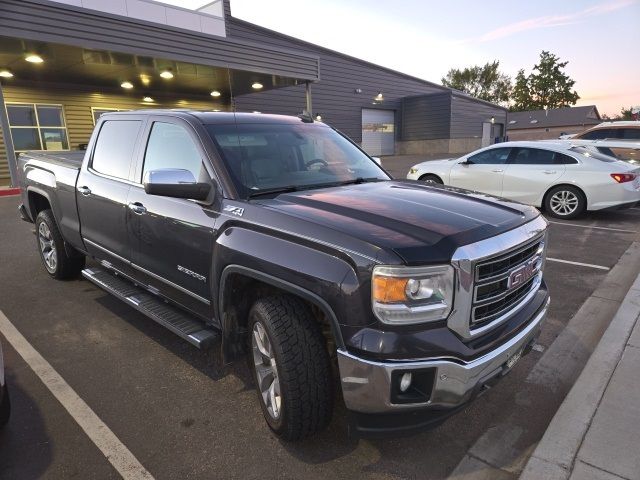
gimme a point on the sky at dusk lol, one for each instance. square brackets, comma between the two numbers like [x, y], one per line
[599, 38]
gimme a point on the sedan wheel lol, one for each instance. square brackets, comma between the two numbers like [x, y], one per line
[565, 202]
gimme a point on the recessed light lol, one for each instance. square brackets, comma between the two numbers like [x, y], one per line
[34, 58]
[126, 85]
[256, 85]
[167, 74]
[147, 99]
[215, 93]
[4, 73]
[145, 79]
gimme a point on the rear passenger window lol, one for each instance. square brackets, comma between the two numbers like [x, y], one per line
[599, 134]
[171, 146]
[114, 147]
[534, 156]
[562, 159]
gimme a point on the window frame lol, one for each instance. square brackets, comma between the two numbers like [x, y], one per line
[106, 110]
[37, 126]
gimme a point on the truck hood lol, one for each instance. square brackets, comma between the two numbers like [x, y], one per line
[418, 222]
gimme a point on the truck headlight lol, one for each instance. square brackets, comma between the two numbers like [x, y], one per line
[407, 295]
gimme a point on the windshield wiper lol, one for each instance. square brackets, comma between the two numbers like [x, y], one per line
[272, 191]
[358, 180]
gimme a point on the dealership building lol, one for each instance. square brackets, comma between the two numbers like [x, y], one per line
[64, 63]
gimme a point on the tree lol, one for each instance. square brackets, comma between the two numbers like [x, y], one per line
[625, 114]
[546, 87]
[484, 82]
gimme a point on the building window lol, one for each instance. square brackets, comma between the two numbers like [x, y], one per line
[97, 111]
[36, 126]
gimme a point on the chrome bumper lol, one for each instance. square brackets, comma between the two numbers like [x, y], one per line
[366, 385]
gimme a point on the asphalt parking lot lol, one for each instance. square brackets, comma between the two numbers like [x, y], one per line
[182, 415]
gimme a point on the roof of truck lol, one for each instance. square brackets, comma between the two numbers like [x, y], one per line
[210, 117]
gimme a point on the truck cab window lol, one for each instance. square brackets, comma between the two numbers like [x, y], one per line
[115, 146]
[170, 146]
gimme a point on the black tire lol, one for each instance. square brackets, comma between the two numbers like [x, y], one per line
[52, 251]
[430, 178]
[565, 201]
[5, 406]
[302, 366]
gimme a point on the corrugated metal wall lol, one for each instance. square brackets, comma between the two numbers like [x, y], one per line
[77, 102]
[467, 116]
[334, 95]
[426, 117]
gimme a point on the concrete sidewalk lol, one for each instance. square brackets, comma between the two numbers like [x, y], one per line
[596, 432]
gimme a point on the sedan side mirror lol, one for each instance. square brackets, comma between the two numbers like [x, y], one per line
[465, 162]
[176, 183]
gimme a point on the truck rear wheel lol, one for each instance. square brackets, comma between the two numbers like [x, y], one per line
[291, 367]
[56, 261]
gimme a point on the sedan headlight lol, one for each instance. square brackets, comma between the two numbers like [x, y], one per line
[408, 295]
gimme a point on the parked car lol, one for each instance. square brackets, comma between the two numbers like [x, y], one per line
[621, 130]
[5, 404]
[564, 179]
[278, 238]
[625, 150]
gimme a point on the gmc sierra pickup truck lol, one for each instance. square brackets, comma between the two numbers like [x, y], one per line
[277, 239]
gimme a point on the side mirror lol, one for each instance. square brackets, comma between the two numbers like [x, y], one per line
[465, 162]
[176, 183]
[377, 160]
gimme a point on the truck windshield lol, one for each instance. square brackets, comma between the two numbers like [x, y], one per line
[273, 158]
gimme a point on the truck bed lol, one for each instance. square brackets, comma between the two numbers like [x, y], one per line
[70, 159]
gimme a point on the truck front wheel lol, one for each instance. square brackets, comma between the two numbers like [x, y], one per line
[58, 263]
[291, 367]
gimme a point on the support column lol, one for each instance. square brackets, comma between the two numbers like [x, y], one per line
[8, 141]
[308, 98]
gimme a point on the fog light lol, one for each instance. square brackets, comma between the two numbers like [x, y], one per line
[405, 382]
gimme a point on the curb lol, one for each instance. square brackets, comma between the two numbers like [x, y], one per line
[554, 457]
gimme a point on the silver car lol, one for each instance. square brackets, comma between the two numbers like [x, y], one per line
[5, 406]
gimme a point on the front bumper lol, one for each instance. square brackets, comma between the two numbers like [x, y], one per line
[368, 387]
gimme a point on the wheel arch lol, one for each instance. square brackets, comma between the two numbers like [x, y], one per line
[565, 184]
[238, 276]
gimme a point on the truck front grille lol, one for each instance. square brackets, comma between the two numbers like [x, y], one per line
[504, 281]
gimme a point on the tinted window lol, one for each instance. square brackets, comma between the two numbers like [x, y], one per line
[170, 146]
[563, 159]
[490, 157]
[114, 147]
[22, 115]
[631, 133]
[598, 134]
[593, 154]
[534, 156]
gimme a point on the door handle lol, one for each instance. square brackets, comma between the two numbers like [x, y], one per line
[549, 172]
[137, 208]
[86, 191]
[497, 170]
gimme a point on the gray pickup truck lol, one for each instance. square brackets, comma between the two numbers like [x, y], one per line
[277, 239]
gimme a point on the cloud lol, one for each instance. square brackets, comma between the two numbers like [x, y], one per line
[550, 21]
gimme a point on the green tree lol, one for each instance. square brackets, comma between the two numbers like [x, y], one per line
[546, 87]
[520, 95]
[485, 82]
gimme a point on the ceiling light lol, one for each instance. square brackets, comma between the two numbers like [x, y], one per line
[256, 85]
[145, 79]
[147, 99]
[126, 85]
[4, 73]
[215, 93]
[167, 74]
[34, 58]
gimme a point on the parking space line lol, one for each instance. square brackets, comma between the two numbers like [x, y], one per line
[116, 452]
[590, 226]
[580, 264]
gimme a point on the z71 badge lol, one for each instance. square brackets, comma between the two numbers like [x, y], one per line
[239, 211]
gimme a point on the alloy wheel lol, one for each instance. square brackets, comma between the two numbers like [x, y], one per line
[266, 370]
[564, 202]
[47, 247]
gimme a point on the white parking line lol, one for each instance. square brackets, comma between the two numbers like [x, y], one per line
[118, 455]
[591, 226]
[580, 264]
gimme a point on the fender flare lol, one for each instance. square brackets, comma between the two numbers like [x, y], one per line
[283, 285]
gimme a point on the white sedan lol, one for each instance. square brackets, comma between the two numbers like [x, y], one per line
[560, 177]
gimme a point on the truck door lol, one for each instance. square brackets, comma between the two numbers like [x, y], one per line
[172, 238]
[102, 190]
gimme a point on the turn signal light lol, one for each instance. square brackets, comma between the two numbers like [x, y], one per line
[623, 177]
[389, 289]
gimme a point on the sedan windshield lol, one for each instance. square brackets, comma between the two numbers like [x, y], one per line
[266, 159]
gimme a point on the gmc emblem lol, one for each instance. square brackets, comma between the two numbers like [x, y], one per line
[521, 275]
